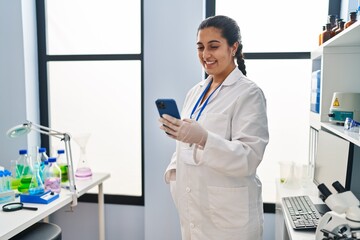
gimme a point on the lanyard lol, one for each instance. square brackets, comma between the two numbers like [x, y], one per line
[206, 101]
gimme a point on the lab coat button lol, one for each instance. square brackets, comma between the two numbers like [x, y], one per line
[192, 225]
[188, 189]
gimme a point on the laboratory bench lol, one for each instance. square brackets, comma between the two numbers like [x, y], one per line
[284, 230]
[13, 223]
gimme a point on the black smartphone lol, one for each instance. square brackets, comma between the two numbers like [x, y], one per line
[167, 106]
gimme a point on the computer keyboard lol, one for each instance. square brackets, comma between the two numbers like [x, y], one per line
[302, 212]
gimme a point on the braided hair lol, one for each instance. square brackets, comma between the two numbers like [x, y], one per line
[230, 31]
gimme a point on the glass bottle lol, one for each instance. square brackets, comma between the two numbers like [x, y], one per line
[337, 24]
[36, 185]
[53, 176]
[61, 161]
[353, 19]
[44, 172]
[327, 34]
[320, 35]
[24, 166]
[15, 175]
[41, 158]
[341, 28]
[332, 21]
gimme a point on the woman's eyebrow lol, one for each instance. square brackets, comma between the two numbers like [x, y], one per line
[211, 41]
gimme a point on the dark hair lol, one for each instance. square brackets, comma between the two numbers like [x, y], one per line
[230, 31]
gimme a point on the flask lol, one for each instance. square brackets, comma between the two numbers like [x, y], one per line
[61, 161]
[353, 16]
[25, 169]
[53, 176]
[36, 185]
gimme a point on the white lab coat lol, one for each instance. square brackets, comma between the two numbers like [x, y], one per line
[216, 189]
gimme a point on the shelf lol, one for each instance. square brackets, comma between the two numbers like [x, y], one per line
[347, 38]
[339, 130]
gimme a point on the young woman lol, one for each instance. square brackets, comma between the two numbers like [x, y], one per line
[220, 143]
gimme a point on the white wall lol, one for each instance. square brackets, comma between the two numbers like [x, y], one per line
[171, 68]
[18, 68]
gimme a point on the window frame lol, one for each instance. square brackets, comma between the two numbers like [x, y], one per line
[44, 58]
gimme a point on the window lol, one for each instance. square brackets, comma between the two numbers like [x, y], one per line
[90, 62]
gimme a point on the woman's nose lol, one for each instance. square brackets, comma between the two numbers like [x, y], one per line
[205, 54]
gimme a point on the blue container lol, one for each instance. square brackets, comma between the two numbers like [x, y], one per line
[315, 91]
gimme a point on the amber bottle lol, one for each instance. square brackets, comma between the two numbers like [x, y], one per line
[337, 26]
[328, 33]
[341, 28]
[320, 35]
[352, 20]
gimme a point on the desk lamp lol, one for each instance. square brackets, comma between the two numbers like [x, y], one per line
[26, 127]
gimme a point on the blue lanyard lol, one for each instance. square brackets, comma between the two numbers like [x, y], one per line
[206, 101]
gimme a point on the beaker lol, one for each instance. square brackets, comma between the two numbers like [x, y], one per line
[83, 170]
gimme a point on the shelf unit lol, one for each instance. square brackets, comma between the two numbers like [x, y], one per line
[339, 62]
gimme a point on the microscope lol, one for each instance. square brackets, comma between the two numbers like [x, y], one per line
[343, 221]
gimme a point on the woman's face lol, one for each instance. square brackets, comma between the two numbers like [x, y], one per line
[214, 53]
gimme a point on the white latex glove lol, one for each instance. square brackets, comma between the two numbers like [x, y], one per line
[186, 130]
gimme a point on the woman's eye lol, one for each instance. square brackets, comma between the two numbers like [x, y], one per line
[214, 47]
[200, 48]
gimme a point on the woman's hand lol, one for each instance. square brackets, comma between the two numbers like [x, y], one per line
[186, 130]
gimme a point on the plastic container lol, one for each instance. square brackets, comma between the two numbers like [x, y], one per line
[315, 91]
[53, 176]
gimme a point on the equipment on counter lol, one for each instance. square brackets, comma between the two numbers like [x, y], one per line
[343, 105]
[343, 222]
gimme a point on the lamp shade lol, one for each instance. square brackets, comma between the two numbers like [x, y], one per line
[19, 130]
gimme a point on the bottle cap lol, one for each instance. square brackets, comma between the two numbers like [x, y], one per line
[22, 151]
[61, 151]
[41, 150]
[51, 159]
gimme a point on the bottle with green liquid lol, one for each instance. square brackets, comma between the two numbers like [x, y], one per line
[24, 166]
[62, 163]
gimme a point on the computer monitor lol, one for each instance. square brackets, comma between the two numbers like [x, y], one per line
[333, 161]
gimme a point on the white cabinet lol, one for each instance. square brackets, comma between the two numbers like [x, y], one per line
[339, 62]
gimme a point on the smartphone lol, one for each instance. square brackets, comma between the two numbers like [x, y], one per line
[167, 106]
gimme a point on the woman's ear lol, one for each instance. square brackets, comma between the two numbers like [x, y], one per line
[235, 47]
